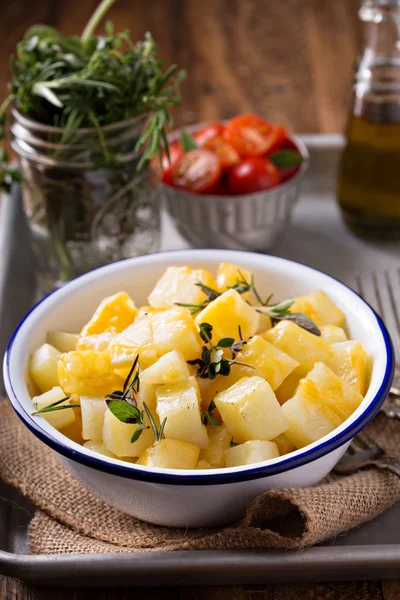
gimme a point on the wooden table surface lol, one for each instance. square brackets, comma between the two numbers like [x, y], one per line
[291, 60]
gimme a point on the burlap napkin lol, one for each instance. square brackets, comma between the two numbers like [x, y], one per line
[70, 519]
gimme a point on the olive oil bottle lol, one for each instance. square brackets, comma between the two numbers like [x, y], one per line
[369, 175]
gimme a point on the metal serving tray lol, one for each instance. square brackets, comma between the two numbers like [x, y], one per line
[372, 551]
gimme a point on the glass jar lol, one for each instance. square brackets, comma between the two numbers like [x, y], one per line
[86, 203]
[369, 175]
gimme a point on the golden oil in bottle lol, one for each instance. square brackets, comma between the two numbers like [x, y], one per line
[368, 187]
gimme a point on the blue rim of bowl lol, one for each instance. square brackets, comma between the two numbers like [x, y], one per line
[207, 478]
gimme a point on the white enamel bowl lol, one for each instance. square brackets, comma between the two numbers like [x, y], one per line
[193, 498]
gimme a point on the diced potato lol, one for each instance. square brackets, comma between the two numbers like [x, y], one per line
[219, 440]
[170, 454]
[87, 373]
[180, 403]
[174, 329]
[269, 362]
[320, 308]
[228, 275]
[301, 345]
[62, 341]
[96, 341]
[351, 364]
[117, 437]
[251, 411]
[322, 402]
[178, 285]
[99, 447]
[264, 324]
[170, 368]
[92, 410]
[58, 418]
[284, 444]
[136, 339]
[203, 464]
[144, 311]
[114, 313]
[73, 430]
[43, 367]
[147, 394]
[251, 452]
[226, 314]
[333, 392]
[333, 334]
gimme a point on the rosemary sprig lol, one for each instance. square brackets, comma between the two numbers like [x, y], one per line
[56, 406]
[276, 312]
[208, 417]
[212, 361]
[158, 433]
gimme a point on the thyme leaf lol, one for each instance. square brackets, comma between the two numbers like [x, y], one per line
[208, 417]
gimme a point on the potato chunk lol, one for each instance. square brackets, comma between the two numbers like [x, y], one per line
[114, 313]
[333, 334]
[251, 411]
[92, 410]
[170, 368]
[178, 285]
[58, 418]
[226, 314]
[117, 437]
[219, 440]
[302, 346]
[174, 329]
[135, 339]
[322, 402]
[284, 444]
[88, 373]
[254, 451]
[351, 364]
[63, 341]
[96, 341]
[170, 454]
[99, 447]
[229, 274]
[43, 367]
[180, 403]
[320, 308]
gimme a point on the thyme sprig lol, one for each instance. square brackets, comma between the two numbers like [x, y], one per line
[213, 361]
[208, 417]
[123, 405]
[276, 312]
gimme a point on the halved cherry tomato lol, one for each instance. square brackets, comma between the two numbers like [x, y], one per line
[288, 144]
[208, 132]
[253, 175]
[226, 154]
[197, 171]
[288, 172]
[276, 138]
[248, 134]
[175, 154]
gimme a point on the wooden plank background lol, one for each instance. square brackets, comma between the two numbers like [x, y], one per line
[290, 60]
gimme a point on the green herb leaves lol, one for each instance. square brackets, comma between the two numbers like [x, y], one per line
[208, 417]
[123, 405]
[286, 158]
[212, 361]
[281, 311]
[187, 141]
[56, 406]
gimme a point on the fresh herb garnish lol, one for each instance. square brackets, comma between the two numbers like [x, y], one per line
[276, 312]
[212, 361]
[92, 81]
[286, 158]
[208, 417]
[55, 406]
[187, 141]
[123, 405]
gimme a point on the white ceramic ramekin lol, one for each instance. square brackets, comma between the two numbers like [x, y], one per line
[193, 498]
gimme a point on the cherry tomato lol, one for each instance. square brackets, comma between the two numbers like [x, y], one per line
[208, 132]
[226, 154]
[288, 144]
[288, 172]
[253, 175]
[276, 138]
[220, 189]
[249, 135]
[175, 154]
[197, 171]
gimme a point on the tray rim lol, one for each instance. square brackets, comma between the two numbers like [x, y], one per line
[319, 563]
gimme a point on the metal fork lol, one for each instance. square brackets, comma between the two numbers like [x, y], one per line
[382, 291]
[364, 452]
